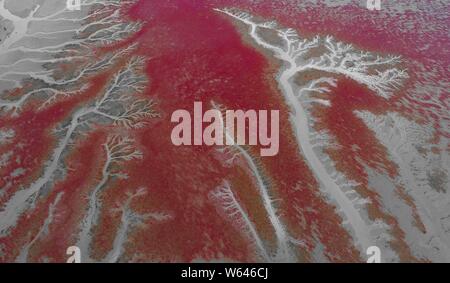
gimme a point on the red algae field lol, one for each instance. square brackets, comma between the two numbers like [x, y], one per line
[88, 162]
